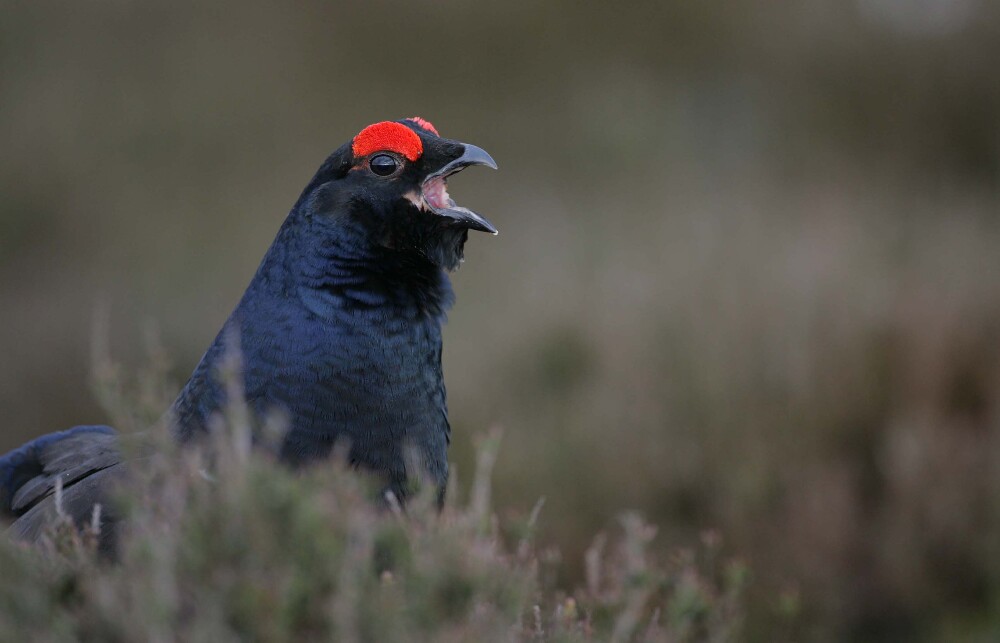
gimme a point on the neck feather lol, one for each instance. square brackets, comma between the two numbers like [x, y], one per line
[342, 268]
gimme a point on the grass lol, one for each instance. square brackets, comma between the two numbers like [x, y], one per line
[222, 543]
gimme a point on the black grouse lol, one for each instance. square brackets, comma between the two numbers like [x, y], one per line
[339, 329]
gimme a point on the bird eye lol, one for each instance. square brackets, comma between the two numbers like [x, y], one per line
[383, 164]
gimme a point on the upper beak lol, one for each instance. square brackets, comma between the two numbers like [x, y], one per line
[471, 156]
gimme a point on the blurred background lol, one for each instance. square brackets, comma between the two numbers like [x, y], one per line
[747, 277]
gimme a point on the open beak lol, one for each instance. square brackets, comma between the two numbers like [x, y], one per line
[434, 190]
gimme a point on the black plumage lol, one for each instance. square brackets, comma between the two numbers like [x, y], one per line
[339, 329]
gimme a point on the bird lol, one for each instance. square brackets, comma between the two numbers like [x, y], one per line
[339, 331]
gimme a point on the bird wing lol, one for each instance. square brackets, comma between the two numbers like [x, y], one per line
[78, 503]
[85, 459]
[29, 474]
[69, 459]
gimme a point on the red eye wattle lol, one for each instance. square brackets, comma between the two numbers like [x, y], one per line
[388, 136]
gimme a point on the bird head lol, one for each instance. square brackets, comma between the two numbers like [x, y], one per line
[391, 180]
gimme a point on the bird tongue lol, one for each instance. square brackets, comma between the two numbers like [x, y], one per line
[436, 193]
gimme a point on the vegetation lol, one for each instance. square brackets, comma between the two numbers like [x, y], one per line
[224, 544]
